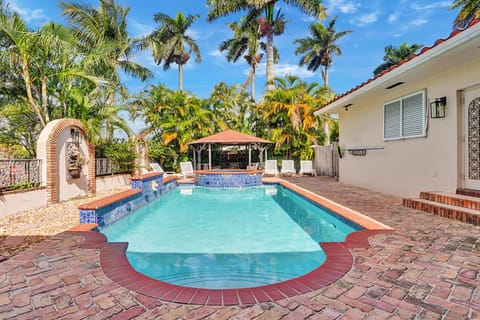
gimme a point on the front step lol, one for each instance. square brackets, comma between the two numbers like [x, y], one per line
[456, 207]
[458, 200]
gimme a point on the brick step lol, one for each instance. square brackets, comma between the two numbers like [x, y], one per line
[445, 210]
[469, 192]
[452, 199]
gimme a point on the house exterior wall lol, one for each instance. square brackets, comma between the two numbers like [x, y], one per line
[406, 167]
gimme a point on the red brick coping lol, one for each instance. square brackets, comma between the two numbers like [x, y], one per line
[100, 203]
[116, 266]
[338, 262]
[147, 175]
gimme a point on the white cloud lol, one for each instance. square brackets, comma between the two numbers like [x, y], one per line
[283, 69]
[433, 5]
[393, 17]
[419, 21]
[29, 15]
[343, 6]
[139, 29]
[216, 54]
[365, 19]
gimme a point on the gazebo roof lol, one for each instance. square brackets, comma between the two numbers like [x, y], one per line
[230, 137]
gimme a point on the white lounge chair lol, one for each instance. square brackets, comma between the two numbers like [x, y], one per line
[306, 167]
[271, 168]
[187, 169]
[158, 168]
[288, 167]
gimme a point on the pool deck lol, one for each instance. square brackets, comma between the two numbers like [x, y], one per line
[426, 268]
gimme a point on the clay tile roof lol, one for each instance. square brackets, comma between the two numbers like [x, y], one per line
[230, 137]
[422, 51]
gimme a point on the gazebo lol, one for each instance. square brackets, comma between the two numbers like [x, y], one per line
[228, 138]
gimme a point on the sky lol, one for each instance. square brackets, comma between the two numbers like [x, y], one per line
[375, 24]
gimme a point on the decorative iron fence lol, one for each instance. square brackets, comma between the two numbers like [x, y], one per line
[19, 174]
[106, 166]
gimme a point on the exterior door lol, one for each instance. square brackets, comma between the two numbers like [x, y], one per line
[472, 138]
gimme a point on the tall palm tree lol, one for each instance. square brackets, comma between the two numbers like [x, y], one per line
[245, 42]
[168, 42]
[103, 36]
[221, 8]
[320, 47]
[103, 30]
[470, 10]
[394, 55]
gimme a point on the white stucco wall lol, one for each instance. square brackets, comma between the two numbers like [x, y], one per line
[12, 202]
[111, 182]
[406, 167]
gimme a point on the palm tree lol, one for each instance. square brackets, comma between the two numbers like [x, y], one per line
[320, 47]
[221, 8]
[103, 37]
[470, 10]
[168, 42]
[394, 55]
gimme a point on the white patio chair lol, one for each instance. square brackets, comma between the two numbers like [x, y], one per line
[306, 167]
[158, 168]
[253, 166]
[187, 169]
[288, 167]
[271, 168]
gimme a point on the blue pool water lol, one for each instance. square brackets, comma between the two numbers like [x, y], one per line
[228, 238]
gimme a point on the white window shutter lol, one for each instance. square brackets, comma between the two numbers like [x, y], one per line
[392, 120]
[413, 116]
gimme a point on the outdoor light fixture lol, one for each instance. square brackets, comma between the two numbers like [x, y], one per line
[76, 136]
[347, 106]
[437, 108]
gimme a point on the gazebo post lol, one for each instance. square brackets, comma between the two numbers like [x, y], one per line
[194, 159]
[209, 156]
[249, 155]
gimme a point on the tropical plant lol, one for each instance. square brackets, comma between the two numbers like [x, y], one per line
[169, 41]
[470, 10]
[289, 111]
[174, 117]
[231, 106]
[394, 55]
[270, 24]
[318, 49]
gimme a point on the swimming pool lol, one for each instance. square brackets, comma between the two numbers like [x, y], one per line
[228, 238]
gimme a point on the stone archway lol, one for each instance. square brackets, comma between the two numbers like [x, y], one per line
[57, 175]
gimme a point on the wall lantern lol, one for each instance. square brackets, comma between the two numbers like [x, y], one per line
[437, 107]
[76, 136]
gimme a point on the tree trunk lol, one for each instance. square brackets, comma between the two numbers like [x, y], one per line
[325, 79]
[252, 89]
[180, 77]
[270, 71]
[28, 87]
[45, 99]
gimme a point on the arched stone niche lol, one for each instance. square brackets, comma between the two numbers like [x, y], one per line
[68, 160]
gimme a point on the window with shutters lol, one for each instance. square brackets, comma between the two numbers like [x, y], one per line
[405, 117]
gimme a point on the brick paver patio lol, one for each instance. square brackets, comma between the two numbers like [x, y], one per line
[428, 268]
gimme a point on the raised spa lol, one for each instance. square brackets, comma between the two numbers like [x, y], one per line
[225, 178]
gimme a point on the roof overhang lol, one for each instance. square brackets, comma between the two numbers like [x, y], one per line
[459, 47]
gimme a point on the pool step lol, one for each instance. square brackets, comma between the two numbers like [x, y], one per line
[453, 206]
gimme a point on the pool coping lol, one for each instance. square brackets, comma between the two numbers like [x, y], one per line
[338, 262]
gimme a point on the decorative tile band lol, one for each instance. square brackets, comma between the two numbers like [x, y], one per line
[106, 211]
[228, 180]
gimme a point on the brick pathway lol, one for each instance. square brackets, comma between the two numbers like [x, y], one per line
[427, 269]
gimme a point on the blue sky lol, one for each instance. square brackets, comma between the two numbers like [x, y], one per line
[375, 24]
